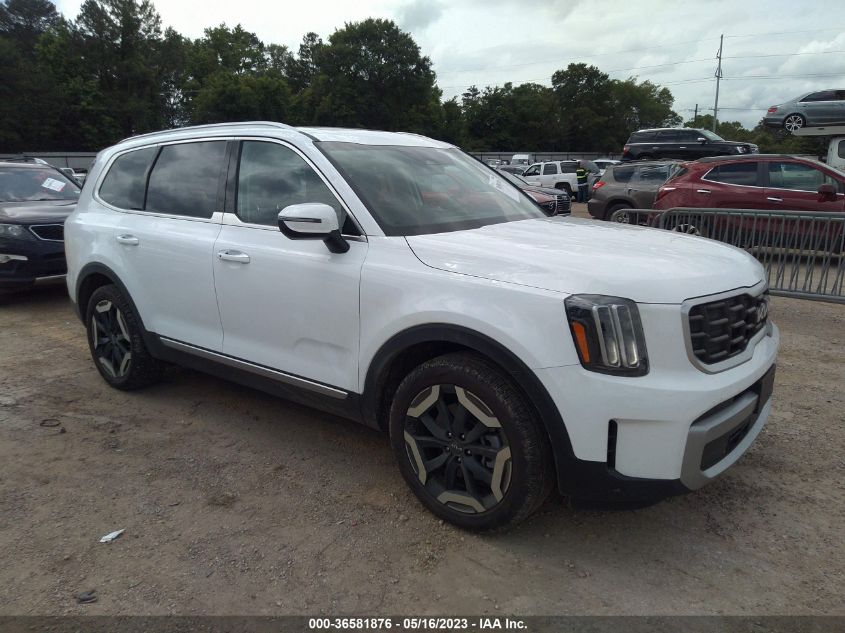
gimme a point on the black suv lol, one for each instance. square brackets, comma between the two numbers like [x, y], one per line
[682, 143]
[35, 201]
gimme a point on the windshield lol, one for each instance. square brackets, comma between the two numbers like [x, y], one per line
[710, 136]
[519, 181]
[30, 184]
[421, 190]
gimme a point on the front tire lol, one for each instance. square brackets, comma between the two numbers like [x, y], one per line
[115, 341]
[563, 186]
[469, 444]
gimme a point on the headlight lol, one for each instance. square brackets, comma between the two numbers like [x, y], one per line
[608, 334]
[14, 231]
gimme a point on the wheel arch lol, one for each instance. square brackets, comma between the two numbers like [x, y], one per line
[95, 275]
[409, 348]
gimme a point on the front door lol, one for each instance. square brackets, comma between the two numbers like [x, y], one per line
[289, 305]
[795, 186]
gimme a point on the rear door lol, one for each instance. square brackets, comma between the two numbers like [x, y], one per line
[645, 183]
[166, 238]
[820, 107]
[734, 185]
[548, 177]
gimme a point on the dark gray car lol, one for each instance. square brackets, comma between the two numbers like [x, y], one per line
[822, 107]
[629, 186]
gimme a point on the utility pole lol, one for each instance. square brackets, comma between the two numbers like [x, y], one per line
[695, 116]
[718, 78]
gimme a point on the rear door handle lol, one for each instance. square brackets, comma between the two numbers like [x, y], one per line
[702, 191]
[774, 199]
[233, 256]
[128, 240]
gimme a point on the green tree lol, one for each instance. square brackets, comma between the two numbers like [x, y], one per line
[371, 74]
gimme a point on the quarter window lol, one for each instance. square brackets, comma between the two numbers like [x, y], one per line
[549, 168]
[797, 176]
[124, 185]
[734, 174]
[185, 179]
[272, 177]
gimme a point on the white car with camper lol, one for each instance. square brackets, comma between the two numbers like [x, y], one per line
[394, 280]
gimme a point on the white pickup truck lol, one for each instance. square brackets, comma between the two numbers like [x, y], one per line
[560, 174]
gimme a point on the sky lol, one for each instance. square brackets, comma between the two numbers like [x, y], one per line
[774, 50]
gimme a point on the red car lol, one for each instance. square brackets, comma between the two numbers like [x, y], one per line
[758, 181]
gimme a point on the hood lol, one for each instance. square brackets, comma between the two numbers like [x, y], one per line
[36, 212]
[546, 191]
[572, 255]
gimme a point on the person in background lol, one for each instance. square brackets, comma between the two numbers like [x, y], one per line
[581, 175]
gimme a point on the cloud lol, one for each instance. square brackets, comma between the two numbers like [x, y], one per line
[416, 15]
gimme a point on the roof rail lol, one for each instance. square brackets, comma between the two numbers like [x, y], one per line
[209, 126]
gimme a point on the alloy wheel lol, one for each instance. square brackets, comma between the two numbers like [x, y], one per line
[110, 339]
[457, 448]
[793, 122]
[689, 229]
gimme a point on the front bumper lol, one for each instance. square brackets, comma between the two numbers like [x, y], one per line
[671, 431]
[29, 260]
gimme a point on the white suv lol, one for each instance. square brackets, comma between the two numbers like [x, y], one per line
[395, 280]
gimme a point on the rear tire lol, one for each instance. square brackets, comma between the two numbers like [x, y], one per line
[624, 218]
[469, 444]
[794, 122]
[115, 341]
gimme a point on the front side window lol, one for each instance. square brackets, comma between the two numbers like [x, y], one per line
[549, 168]
[126, 179]
[272, 177]
[534, 170]
[797, 176]
[186, 178]
[710, 136]
[32, 184]
[423, 190]
[734, 174]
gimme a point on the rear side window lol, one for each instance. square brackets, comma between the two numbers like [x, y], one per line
[656, 174]
[549, 168]
[841, 150]
[568, 168]
[824, 95]
[185, 179]
[641, 137]
[734, 174]
[124, 184]
[621, 174]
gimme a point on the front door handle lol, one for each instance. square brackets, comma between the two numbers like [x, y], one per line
[233, 256]
[128, 240]
[702, 191]
[774, 199]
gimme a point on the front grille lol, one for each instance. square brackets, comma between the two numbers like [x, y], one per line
[52, 232]
[721, 329]
[561, 204]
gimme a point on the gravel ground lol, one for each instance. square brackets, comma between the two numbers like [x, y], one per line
[235, 502]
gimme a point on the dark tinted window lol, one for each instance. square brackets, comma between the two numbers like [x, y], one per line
[185, 178]
[18, 184]
[734, 174]
[621, 174]
[642, 137]
[272, 177]
[841, 149]
[568, 168]
[656, 174]
[824, 95]
[689, 136]
[549, 168]
[669, 136]
[124, 184]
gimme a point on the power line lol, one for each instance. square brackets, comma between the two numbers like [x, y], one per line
[836, 28]
[743, 78]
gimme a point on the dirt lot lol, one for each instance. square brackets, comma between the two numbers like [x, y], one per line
[237, 503]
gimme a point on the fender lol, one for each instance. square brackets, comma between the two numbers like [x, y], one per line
[101, 269]
[440, 333]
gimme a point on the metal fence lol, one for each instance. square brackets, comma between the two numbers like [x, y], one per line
[802, 252]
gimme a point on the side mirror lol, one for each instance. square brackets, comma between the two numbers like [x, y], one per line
[827, 191]
[701, 139]
[313, 221]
